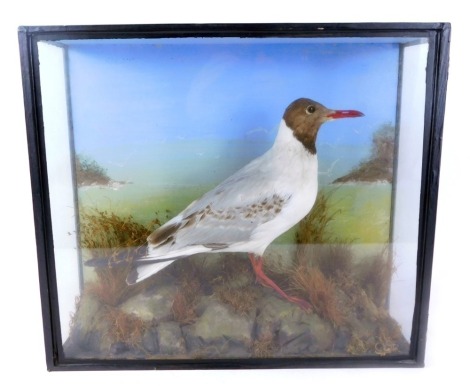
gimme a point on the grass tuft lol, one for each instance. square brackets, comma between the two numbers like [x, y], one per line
[116, 241]
[100, 230]
[123, 327]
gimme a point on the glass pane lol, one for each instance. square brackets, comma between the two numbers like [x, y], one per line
[137, 130]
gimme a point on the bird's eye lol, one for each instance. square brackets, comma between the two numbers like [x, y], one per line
[310, 109]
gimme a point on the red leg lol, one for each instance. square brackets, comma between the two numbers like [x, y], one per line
[257, 263]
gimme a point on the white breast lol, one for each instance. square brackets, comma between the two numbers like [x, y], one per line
[294, 174]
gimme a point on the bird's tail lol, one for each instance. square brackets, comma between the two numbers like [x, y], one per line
[141, 266]
[143, 269]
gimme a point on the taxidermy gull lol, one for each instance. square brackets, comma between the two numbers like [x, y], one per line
[251, 208]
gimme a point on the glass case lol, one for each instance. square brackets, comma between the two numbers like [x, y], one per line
[208, 200]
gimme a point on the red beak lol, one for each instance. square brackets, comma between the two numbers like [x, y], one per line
[336, 114]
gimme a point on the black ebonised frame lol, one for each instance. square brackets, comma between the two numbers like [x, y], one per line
[436, 80]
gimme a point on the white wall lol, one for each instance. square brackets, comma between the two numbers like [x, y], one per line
[22, 354]
[408, 184]
[61, 192]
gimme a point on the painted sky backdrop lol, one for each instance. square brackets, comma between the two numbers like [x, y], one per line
[132, 98]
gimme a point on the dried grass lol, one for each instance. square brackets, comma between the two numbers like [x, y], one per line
[320, 291]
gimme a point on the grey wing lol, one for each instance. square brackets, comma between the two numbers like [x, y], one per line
[228, 214]
[214, 226]
[204, 229]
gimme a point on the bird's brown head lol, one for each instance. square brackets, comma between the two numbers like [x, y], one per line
[305, 116]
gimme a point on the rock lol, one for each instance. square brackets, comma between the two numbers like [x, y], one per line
[154, 304]
[272, 311]
[298, 333]
[118, 349]
[150, 340]
[87, 333]
[219, 332]
[342, 340]
[307, 336]
[91, 334]
[170, 339]
[268, 327]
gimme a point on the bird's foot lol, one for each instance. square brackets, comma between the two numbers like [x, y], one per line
[263, 279]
